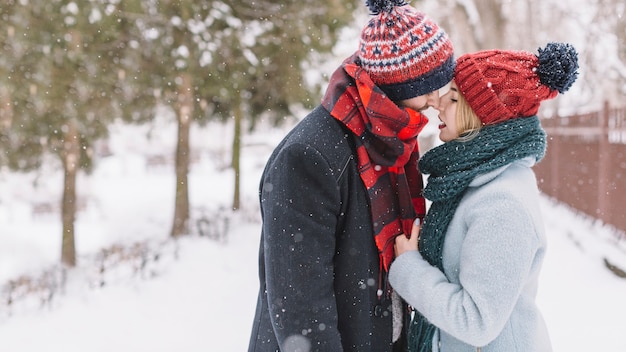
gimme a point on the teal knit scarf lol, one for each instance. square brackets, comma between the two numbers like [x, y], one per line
[452, 166]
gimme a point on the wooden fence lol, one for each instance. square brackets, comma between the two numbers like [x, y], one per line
[585, 165]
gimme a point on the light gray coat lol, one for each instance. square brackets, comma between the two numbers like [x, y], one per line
[492, 255]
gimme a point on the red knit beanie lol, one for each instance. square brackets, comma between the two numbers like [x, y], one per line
[404, 52]
[500, 85]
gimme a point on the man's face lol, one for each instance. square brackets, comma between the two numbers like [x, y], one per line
[422, 102]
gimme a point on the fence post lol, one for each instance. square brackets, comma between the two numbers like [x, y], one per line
[603, 212]
[555, 163]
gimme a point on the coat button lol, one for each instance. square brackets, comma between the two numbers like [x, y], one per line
[378, 311]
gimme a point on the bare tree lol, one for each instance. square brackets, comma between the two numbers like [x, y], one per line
[596, 28]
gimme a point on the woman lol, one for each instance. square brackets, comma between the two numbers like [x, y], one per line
[472, 275]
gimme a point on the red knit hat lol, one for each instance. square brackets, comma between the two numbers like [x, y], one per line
[501, 85]
[405, 53]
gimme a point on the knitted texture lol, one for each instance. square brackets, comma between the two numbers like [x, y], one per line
[501, 85]
[404, 52]
[452, 166]
[387, 152]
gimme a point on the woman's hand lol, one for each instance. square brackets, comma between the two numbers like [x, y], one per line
[404, 244]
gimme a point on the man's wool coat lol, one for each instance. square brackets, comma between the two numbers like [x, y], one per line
[317, 247]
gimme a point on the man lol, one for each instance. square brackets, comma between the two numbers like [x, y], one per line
[342, 185]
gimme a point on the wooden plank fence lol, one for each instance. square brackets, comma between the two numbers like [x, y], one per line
[585, 164]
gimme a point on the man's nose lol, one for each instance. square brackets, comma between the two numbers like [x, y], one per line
[433, 99]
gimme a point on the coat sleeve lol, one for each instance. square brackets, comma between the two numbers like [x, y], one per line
[300, 202]
[496, 258]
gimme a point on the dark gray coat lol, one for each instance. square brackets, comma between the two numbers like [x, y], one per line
[318, 263]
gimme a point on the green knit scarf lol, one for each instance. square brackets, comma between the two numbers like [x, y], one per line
[452, 166]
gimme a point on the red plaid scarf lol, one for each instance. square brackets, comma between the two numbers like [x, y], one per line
[387, 152]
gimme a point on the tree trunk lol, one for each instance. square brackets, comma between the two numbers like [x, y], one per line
[479, 25]
[461, 27]
[236, 156]
[70, 158]
[184, 114]
[493, 25]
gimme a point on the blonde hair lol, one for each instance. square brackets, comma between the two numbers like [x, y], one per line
[467, 122]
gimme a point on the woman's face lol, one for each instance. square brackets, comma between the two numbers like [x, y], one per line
[447, 114]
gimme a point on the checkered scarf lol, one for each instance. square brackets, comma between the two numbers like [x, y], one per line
[387, 152]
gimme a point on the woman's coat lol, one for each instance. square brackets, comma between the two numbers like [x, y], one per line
[492, 254]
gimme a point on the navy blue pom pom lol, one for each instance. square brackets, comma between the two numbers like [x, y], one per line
[558, 66]
[378, 6]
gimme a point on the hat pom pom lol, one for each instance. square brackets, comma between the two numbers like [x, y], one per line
[558, 66]
[378, 6]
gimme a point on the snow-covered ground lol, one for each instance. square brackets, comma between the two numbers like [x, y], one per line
[200, 294]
